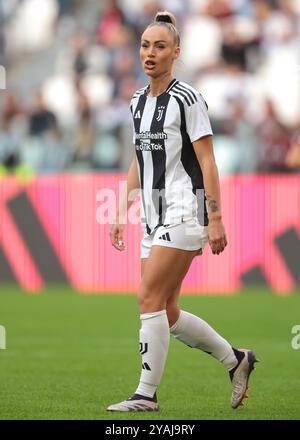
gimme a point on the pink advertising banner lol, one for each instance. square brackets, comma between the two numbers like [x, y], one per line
[55, 229]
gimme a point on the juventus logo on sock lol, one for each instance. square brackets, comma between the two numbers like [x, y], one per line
[165, 237]
[144, 350]
[143, 347]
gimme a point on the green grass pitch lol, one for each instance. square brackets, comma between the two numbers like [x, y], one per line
[69, 355]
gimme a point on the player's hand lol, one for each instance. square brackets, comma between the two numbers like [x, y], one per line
[216, 236]
[116, 236]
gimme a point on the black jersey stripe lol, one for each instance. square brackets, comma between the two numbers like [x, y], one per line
[191, 165]
[159, 158]
[137, 123]
[172, 84]
[183, 93]
[188, 89]
[188, 95]
[180, 95]
[138, 93]
[191, 95]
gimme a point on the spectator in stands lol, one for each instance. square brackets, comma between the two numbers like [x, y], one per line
[84, 135]
[13, 126]
[240, 37]
[44, 150]
[109, 23]
[244, 135]
[41, 118]
[218, 9]
[79, 44]
[274, 142]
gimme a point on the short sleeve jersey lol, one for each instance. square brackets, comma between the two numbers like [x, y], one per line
[170, 176]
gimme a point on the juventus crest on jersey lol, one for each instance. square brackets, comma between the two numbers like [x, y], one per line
[171, 180]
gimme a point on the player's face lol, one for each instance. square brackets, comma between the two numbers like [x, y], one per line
[158, 51]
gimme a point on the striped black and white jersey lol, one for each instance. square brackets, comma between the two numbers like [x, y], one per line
[170, 176]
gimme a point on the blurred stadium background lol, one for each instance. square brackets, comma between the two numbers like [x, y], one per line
[68, 69]
[72, 67]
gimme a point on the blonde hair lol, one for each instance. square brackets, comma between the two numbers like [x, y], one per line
[168, 20]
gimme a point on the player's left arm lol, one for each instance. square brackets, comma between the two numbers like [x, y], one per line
[216, 231]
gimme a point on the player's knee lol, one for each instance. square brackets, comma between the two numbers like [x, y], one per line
[150, 298]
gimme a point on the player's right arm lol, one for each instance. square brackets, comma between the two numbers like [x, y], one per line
[128, 195]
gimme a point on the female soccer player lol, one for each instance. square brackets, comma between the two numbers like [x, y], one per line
[175, 170]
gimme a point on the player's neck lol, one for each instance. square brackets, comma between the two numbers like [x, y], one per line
[159, 85]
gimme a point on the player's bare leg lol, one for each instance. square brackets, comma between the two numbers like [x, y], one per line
[162, 277]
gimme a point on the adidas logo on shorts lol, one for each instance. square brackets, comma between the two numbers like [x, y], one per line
[165, 237]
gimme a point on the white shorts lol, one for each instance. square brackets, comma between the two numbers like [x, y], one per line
[188, 235]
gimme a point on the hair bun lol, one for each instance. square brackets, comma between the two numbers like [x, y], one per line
[166, 17]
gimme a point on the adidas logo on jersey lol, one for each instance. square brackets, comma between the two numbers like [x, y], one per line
[165, 237]
[137, 115]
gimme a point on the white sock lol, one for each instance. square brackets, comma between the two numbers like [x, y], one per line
[196, 333]
[154, 346]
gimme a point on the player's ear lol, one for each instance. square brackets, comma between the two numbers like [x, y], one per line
[176, 53]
